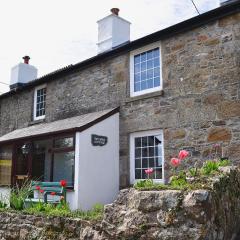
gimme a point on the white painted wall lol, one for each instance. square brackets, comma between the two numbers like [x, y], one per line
[97, 169]
[112, 31]
[23, 73]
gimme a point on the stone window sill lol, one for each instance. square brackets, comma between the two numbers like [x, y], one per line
[36, 122]
[145, 96]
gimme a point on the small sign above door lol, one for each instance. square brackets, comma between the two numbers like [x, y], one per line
[99, 140]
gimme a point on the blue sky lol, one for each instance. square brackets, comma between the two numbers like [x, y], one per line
[56, 33]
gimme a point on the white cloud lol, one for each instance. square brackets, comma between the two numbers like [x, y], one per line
[57, 33]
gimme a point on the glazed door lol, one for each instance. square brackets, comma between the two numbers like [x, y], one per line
[22, 165]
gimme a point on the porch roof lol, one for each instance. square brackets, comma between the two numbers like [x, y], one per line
[74, 124]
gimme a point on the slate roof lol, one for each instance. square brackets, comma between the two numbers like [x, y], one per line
[197, 21]
[74, 124]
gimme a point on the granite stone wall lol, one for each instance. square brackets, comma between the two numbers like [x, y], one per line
[198, 107]
[211, 213]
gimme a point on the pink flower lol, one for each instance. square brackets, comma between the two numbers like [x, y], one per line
[175, 162]
[149, 171]
[38, 188]
[41, 191]
[53, 193]
[183, 154]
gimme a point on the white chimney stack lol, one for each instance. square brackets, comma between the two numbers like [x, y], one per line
[22, 73]
[113, 31]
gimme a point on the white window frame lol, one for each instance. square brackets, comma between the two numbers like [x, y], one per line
[136, 52]
[132, 153]
[35, 118]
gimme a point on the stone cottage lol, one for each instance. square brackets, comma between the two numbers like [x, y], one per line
[101, 122]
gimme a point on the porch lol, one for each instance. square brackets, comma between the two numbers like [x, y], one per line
[82, 150]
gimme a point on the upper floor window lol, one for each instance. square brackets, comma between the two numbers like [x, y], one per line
[145, 70]
[39, 102]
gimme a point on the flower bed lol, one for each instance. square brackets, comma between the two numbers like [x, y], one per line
[193, 178]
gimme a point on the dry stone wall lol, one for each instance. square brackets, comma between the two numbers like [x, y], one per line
[212, 214]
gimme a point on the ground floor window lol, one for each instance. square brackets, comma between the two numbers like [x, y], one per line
[48, 160]
[146, 152]
[5, 165]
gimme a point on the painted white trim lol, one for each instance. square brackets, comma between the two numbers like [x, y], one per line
[35, 103]
[76, 170]
[132, 153]
[136, 52]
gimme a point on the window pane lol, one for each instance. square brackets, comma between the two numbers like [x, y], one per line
[145, 152]
[144, 141]
[138, 142]
[143, 85]
[63, 142]
[151, 141]
[138, 163]
[143, 66]
[156, 62]
[158, 161]
[143, 76]
[148, 68]
[137, 86]
[143, 57]
[148, 154]
[156, 72]
[63, 167]
[150, 54]
[137, 59]
[149, 64]
[156, 52]
[137, 68]
[151, 163]
[150, 74]
[137, 77]
[151, 151]
[157, 82]
[158, 150]
[150, 83]
[137, 152]
[138, 174]
[144, 163]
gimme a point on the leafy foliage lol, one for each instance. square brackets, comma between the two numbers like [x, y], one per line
[19, 194]
[144, 183]
[179, 180]
[210, 167]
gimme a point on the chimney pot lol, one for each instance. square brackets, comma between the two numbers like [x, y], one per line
[115, 11]
[26, 59]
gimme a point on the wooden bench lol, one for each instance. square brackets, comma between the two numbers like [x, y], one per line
[47, 188]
